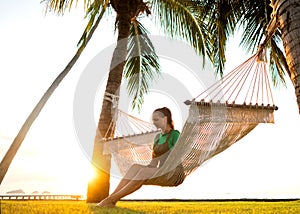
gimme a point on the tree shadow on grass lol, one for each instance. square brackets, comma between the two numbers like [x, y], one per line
[115, 210]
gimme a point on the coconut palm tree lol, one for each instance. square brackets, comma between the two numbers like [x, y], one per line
[287, 18]
[10, 154]
[177, 22]
[176, 18]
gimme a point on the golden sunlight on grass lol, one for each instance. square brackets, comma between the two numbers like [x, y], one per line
[153, 207]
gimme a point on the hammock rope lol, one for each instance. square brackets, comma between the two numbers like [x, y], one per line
[218, 118]
[248, 83]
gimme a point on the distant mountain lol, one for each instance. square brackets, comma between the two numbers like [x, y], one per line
[18, 191]
[46, 192]
[35, 192]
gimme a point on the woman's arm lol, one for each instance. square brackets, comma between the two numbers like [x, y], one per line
[174, 138]
[154, 162]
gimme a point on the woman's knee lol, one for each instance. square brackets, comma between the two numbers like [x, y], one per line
[145, 173]
[136, 167]
[133, 171]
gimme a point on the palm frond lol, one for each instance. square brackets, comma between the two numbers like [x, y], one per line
[94, 13]
[278, 64]
[221, 18]
[142, 65]
[254, 20]
[177, 21]
[61, 6]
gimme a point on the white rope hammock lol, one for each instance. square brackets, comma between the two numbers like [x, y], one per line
[218, 117]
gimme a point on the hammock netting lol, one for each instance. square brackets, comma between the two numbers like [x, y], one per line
[218, 118]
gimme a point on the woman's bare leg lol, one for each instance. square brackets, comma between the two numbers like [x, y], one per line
[130, 174]
[131, 186]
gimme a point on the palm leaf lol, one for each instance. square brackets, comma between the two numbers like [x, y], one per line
[221, 18]
[96, 9]
[60, 6]
[255, 21]
[278, 64]
[177, 21]
[141, 66]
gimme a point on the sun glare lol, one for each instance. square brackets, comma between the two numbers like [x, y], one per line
[76, 182]
[88, 173]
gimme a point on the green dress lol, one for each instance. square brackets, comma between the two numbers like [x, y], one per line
[163, 143]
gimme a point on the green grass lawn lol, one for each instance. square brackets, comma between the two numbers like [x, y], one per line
[74, 207]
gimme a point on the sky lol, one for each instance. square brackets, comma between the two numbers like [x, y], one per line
[35, 48]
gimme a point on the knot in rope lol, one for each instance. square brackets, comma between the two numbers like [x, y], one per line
[114, 99]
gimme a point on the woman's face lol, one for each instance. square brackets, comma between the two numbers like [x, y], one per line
[159, 120]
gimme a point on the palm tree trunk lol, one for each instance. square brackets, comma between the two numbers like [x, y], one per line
[98, 188]
[288, 14]
[13, 149]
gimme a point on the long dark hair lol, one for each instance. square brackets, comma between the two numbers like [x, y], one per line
[167, 113]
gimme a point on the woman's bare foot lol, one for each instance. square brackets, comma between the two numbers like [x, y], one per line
[107, 202]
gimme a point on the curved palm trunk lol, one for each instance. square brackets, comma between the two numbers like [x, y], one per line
[289, 24]
[13, 149]
[98, 187]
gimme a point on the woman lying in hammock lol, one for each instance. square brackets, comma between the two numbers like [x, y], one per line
[139, 175]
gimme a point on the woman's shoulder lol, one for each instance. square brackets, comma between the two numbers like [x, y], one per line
[174, 138]
[175, 132]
